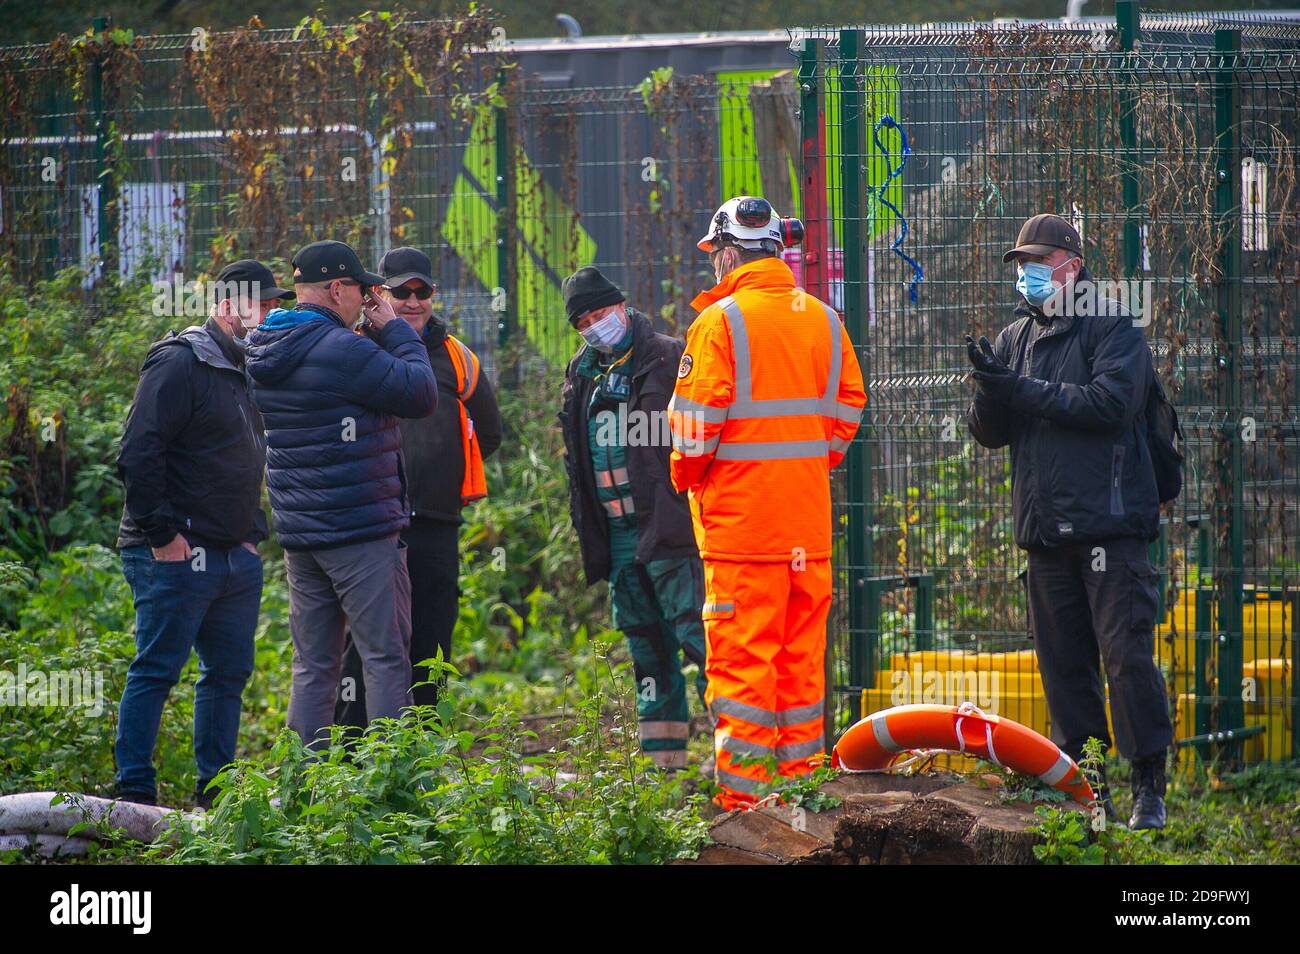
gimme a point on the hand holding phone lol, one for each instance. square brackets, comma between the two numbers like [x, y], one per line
[376, 310]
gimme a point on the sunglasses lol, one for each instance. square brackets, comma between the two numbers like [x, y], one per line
[401, 293]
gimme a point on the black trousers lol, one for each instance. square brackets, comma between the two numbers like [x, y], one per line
[433, 561]
[1092, 606]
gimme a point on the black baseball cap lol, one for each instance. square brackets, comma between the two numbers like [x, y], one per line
[249, 272]
[400, 265]
[328, 260]
[1043, 234]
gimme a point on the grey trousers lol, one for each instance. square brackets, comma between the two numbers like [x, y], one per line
[363, 587]
[1086, 619]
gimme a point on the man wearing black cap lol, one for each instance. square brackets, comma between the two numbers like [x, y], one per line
[191, 461]
[443, 454]
[1066, 386]
[633, 528]
[331, 399]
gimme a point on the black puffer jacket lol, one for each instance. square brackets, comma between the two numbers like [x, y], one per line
[664, 529]
[192, 453]
[1080, 465]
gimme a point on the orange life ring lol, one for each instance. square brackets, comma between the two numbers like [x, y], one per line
[874, 743]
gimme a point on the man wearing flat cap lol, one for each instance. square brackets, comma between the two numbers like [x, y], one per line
[1065, 387]
[331, 399]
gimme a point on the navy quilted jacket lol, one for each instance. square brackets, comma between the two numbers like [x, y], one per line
[330, 400]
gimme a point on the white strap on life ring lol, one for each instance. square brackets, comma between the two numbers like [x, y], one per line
[969, 708]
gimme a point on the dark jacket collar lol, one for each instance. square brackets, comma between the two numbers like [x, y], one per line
[234, 354]
[643, 333]
[435, 332]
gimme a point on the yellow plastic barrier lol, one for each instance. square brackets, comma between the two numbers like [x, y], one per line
[1009, 683]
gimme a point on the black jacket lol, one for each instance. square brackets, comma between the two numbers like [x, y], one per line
[192, 453]
[331, 400]
[431, 446]
[664, 529]
[1080, 465]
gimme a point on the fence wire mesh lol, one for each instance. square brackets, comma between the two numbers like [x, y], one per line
[1176, 161]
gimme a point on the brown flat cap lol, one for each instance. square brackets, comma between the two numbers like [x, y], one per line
[1044, 233]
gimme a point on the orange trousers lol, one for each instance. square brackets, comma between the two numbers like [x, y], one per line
[765, 627]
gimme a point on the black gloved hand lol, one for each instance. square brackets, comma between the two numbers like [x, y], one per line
[991, 374]
[982, 356]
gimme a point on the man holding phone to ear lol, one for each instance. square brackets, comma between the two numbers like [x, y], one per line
[443, 454]
[331, 399]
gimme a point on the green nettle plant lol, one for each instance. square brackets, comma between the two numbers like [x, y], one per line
[420, 790]
[1065, 838]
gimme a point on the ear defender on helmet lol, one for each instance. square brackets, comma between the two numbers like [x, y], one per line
[791, 232]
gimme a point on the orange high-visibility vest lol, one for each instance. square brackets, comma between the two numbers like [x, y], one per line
[769, 394]
[465, 364]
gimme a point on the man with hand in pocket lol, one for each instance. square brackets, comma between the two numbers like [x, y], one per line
[191, 462]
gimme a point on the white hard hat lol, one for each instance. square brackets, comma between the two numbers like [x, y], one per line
[747, 221]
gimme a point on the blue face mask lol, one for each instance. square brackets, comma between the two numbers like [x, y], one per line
[1035, 283]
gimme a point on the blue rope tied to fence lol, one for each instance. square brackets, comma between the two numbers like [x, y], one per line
[893, 172]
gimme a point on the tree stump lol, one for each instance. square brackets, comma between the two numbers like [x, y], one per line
[884, 820]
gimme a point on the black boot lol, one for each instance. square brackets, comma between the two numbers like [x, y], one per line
[1148, 793]
[204, 796]
[139, 798]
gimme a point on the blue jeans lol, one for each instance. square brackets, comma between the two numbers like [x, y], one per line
[211, 608]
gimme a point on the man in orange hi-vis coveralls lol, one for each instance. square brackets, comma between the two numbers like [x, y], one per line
[769, 394]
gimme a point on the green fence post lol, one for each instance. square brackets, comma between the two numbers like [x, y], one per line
[863, 652]
[863, 626]
[104, 182]
[924, 611]
[1128, 22]
[1204, 638]
[1227, 118]
[505, 214]
[1203, 634]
